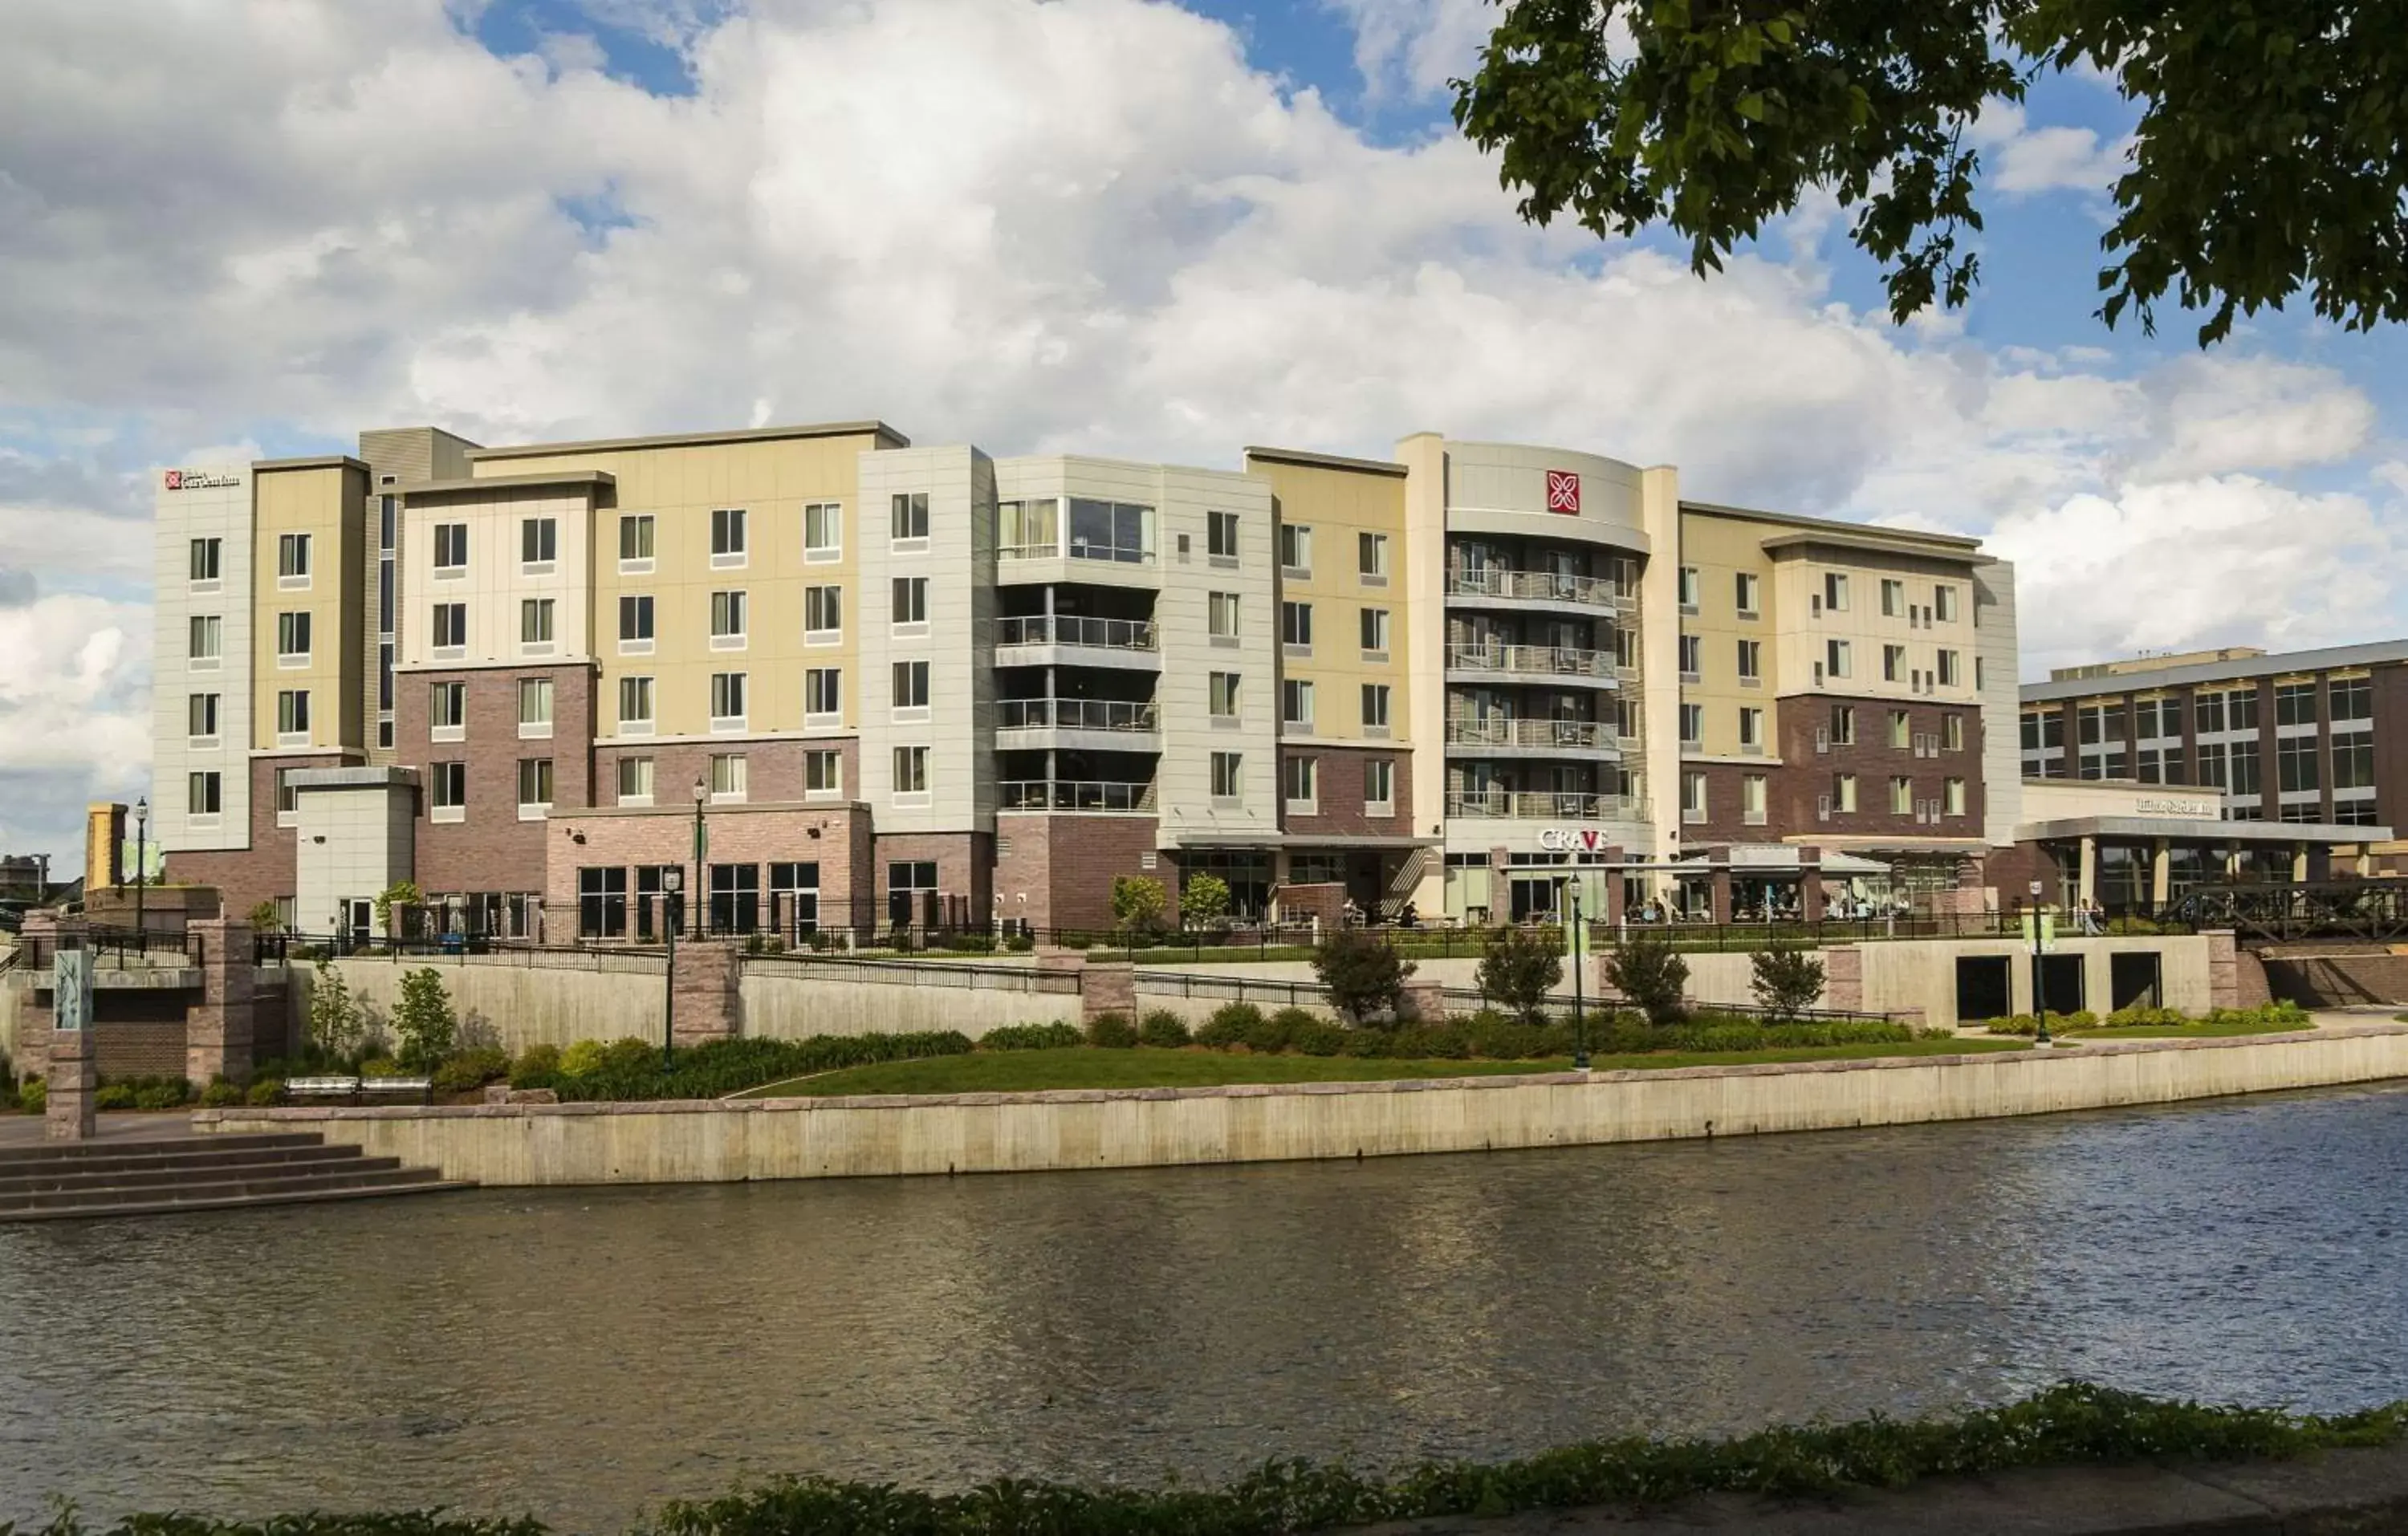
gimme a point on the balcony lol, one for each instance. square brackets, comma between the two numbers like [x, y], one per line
[1509, 736]
[1541, 805]
[1092, 795]
[1063, 640]
[1533, 663]
[1074, 715]
[1591, 594]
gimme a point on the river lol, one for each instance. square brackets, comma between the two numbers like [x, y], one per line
[582, 1353]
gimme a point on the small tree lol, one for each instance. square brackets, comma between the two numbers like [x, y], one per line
[1786, 980]
[1138, 901]
[1646, 971]
[401, 892]
[1518, 971]
[424, 1020]
[1364, 974]
[336, 1023]
[263, 918]
[1204, 899]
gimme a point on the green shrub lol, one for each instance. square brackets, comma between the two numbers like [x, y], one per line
[113, 1096]
[472, 1070]
[1518, 967]
[582, 1059]
[1230, 1025]
[536, 1066]
[219, 1095]
[1203, 898]
[1365, 974]
[1319, 1038]
[265, 1090]
[1138, 902]
[336, 1020]
[423, 1019]
[1276, 1032]
[722, 1067]
[1786, 980]
[1020, 943]
[1646, 971]
[383, 1067]
[1162, 1027]
[32, 1096]
[1112, 1031]
[1032, 1037]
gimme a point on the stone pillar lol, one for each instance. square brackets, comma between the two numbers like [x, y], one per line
[2223, 969]
[2087, 888]
[1108, 987]
[2298, 863]
[1810, 884]
[218, 1029]
[1844, 977]
[2319, 859]
[1425, 1002]
[2161, 860]
[705, 986]
[1718, 864]
[72, 1073]
[1616, 900]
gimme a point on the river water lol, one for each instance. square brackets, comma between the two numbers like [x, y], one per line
[582, 1355]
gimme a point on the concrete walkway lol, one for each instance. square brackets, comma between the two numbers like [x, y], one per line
[23, 1130]
[2355, 1491]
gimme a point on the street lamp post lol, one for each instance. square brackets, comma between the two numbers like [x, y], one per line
[701, 844]
[1580, 963]
[141, 860]
[2040, 967]
[672, 879]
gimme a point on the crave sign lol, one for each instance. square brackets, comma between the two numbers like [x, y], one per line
[199, 480]
[1572, 840]
[1563, 491]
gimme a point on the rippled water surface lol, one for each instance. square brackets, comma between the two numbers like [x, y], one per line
[584, 1354]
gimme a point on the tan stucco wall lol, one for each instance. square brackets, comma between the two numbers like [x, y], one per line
[803, 1139]
[792, 1008]
[1920, 975]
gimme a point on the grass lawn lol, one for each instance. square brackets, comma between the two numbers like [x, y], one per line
[1084, 1066]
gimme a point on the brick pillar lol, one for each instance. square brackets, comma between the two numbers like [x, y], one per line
[2223, 970]
[1718, 861]
[72, 1075]
[1425, 1002]
[1614, 911]
[1106, 988]
[1844, 977]
[219, 1030]
[705, 987]
[1810, 884]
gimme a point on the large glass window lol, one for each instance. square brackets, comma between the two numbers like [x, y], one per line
[823, 615]
[908, 517]
[447, 706]
[727, 535]
[1221, 536]
[824, 531]
[534, 784]
[602, 903]
[726, 700]
[734, 898]
[535, 705]
[2352, 699]
[635, 618]
[2295, 703]
[2295, 764]
[207, 555]
[450, 629]
[538, 541]
[204, 794]
[909, 883]
[635, 535]
[293, 558]
[450, 548]
[727, 620]
[535, 620]
[1110, 530]
[293, 636]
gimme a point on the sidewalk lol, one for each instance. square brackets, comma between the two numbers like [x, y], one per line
[21, 1130]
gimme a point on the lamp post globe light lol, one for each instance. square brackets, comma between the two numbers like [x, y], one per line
[672, 881]
[701, 849]
[142, 857]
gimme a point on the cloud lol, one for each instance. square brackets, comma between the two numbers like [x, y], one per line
[74, 716]
[2024, 160]
[1414, 47]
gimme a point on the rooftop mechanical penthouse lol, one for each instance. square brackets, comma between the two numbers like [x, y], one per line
[918, 684]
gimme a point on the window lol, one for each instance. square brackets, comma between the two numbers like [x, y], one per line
[1227, 781]
[1375, 634]
[201, 643]
[911, 601]
[2295, 764]
[822, 695]
[635, 624]
[1688, 589]
[1751, 661]
[823, 615]
[2100, 735]
[1751, 729]
[1221, 536]
[201, 716]
[2211, 764]
[288, 793]
[2295, 703]
[1893, 662]
[2353, 699]
[535, 707]
[823, 772]
[201, 793]
[1953, 795]
[1751, 798]
[1221, 617]
[1110, 530]
[727, 535]
[1748, 590]
[1375, 709]
[1221, 691]
[447, 790]
[1835, 591]
[1901, 796]
[727, 702]
[1943, 603]
[602, 903]
[1295, 549]
[207, 555]
[1901, 728]
[1692, 797]
[1296, 704]
[824, 532]
[1843, 725]
[2210, 708]
[2241, 709]
[910, 685]
[910, 770]
[1836, 658]
[636, 539]
[2157, 717]
[635, 703]
[907, 519]
[2248, 779]
[727, 621]
[1952, 732]
[292, 639]
[1693, 724]
[535, 785]
[1844, 793]
[1892, 594]
[1951, 674]
[450, 549]
[1371, 558]
[908, 882]
[535, 620]
[292, 716]
[450, 629]
[293, 559]
[539, 541]
[729, 775]
[447, 710]
[1300, 782]
[1379, 786]
[2353, 761]
[1296, 628]
[1692, 657]
[2160, 766]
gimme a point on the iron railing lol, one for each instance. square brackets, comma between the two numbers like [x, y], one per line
[1073, 795]
[1074, 715]
[1545, 586]
[119, 949]
[1506, 731]
[963, 974]
[1540, 804]
[1532, 660]
[1074, 629]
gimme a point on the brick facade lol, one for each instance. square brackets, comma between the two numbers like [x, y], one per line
[773, 771]
[1802, 775]
[836, 838]
[492, 848]
[265, 871]
[1055, 872]
[1337, 789]
[964, 861]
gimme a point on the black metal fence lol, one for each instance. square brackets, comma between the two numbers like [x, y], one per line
[118, 949]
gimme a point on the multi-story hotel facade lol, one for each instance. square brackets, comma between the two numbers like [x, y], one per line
[927, 684]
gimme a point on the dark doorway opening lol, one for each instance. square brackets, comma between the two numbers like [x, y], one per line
[2061, 975]
[2136, 979]
[1982, 987]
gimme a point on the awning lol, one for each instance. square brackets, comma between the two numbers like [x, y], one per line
[1776, 858]
[2182, 831]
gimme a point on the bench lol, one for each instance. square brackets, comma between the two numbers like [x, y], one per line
[320, 1087]
[418, 1088]
[361, 1089]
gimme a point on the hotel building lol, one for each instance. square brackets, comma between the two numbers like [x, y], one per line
[928, 684]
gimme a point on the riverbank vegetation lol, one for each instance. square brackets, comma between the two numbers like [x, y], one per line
[2161, 1023]
[2074, 1424]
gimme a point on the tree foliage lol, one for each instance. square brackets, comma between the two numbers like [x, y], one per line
[2270, 156]
[1518, 967]
[1647, 971]
[337, 1022]
[1138, 901]
[1204, 898]
[1785, 980]
[423, 1021]
[1365, 975]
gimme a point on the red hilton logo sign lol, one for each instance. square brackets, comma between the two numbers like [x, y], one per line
[175, 480]
[1562, 492]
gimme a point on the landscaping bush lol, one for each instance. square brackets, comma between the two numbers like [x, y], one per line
[1230, 1025]
[1203, 900]
[219, 1095]
[113, 1096]
[472, 1070]
[1786, 980]
[1275, 1033]
[336, 1023]
[265, 1090]
[1518, 969]
[1319, 1038]
[383, 1067]
[1646, 971]
[1112, 1031]
[722, 1067]
[32, 1096]
[537, 1064]
[1162, 1027]
[1032, 1037]
[1366, 976]
[424, 1020]
[1020, 943]
[581, 1059]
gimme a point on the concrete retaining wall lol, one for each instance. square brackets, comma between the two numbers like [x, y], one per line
[978, 1133]
[2337, 978]
[515, 1005]
[793, 1008]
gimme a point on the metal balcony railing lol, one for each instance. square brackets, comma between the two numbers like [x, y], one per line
[1070, 629]
[1074, 715]
[1074, 795]
[1539, 804]
[1505, 731]
[1550, 586]
[1534, 660]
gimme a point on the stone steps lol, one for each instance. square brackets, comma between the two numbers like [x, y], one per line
[202, 1173]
